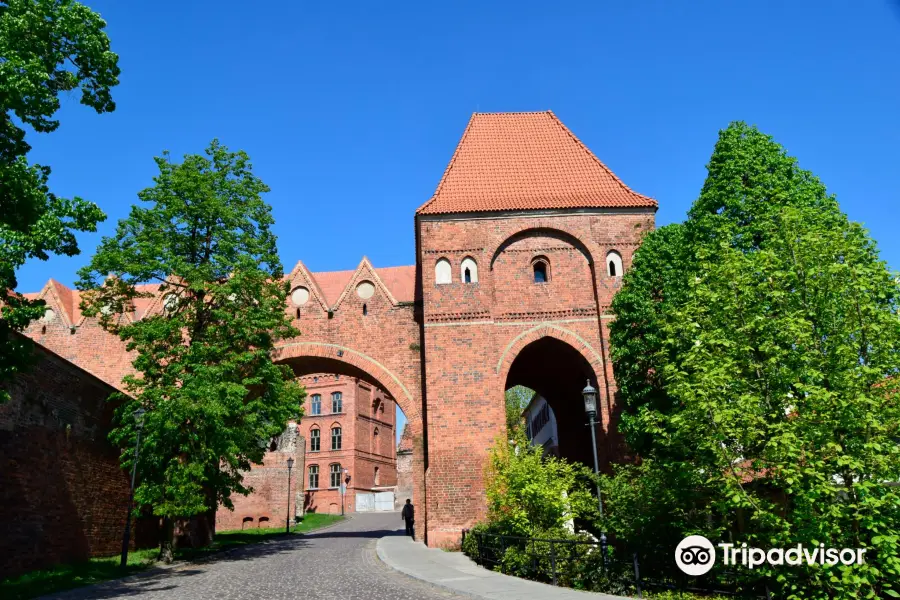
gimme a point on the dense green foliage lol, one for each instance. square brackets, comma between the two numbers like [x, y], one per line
[47, 48]
[517, 398]
[531, 495]
[205, 375]
[754, 347]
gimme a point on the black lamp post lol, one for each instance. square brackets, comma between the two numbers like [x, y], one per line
[590, 408]
[344, 488]
[138, 425]
[287, 523]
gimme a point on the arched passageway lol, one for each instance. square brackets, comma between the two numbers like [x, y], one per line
[558, 373]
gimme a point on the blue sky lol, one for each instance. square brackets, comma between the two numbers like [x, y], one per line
[351, 110]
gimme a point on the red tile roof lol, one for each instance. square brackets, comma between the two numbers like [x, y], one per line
[401, 281]
[332, 284]
[526, 161]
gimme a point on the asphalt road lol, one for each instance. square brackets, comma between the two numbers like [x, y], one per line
[336, 563]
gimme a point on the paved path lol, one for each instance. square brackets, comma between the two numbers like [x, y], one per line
[455, 572]
[338, 563]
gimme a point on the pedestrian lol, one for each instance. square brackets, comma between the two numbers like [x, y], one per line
[409, 516]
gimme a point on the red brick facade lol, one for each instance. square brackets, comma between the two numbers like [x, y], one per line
[364, 416]
[521, 189]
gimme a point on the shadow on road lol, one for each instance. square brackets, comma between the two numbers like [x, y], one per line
[372, 533]
[160, 580]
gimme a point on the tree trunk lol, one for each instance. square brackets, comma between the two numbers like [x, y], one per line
[202, 527]
[167, 543]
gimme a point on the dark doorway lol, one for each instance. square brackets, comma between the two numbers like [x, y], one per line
[558, 373]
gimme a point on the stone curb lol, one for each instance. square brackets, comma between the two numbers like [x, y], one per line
[549, 591]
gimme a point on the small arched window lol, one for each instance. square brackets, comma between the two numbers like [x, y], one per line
[469, 270]
[442, 272]
[541, 269]
[375, 441]
[377, 477]
[614, 264]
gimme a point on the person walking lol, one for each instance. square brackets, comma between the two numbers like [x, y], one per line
[409, 516]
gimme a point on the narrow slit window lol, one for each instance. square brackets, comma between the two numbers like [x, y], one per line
[541, 274]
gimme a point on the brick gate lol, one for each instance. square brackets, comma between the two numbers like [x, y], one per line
[518, 255]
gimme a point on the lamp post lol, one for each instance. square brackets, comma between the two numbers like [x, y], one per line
[590, 409]
[344, 488]
[138, 425]
[287, 522]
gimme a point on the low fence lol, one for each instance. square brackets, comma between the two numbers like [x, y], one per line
[599, 567]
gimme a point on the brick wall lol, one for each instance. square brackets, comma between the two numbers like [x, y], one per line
[63, 495]
[474, 333]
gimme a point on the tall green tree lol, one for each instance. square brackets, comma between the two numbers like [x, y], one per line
[47, 48]
[205, 375]
[771, 356]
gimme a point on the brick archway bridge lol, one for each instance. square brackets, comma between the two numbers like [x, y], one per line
[518, 255]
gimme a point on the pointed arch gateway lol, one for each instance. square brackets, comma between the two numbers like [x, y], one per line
[403, 386]
[556, 363]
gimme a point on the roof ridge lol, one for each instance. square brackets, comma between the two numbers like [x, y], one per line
[584, 147]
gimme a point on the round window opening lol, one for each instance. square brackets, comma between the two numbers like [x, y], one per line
[300, 296]
[365, 290]
[49, 316]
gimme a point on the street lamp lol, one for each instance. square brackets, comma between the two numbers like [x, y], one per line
[138, 426]
[344, 488]
[590, 409]
[287, 523]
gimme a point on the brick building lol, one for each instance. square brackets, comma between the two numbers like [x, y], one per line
[347, 432]
[519, 252]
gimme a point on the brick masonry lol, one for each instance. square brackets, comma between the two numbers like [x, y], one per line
[445, 353]
[366, 420]
[63, 495]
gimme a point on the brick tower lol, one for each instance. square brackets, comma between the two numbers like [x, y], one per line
[519, 252]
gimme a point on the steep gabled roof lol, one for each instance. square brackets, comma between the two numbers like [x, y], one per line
[399, 281]
[526, 161]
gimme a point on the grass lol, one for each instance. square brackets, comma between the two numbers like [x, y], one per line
[95, 570]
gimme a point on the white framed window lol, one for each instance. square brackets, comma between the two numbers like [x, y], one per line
[469, 270]
[315, 404]
[614, 264]
[337, 402]
[443, 272]
[335, 475]
[313, 477]
[315, 440]
[336, 438]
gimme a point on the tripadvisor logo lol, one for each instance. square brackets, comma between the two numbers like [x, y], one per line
[695, 555]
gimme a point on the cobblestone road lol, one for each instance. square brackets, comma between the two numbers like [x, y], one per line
[337, 563]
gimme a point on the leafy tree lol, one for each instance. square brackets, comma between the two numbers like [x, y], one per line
[205, 375]
[772, 345]
[47, 47]
[530, 494]
[517, 398]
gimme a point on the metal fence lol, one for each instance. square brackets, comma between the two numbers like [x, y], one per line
[613, 568]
